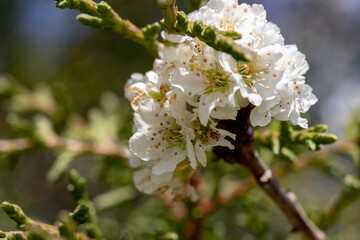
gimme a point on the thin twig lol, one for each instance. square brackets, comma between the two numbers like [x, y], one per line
[285, 200]
[23, 144]
[101, 15]
[246, 154]
[302, 161]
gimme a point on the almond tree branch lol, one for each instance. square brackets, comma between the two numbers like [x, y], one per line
[101, 15]
[285, 200]
[23, 144]
[246, 154]
[302, 161]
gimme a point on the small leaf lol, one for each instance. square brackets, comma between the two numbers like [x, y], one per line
[182, 21]
[113, 198]
[105, 10]
[232, 34]
[15, 213]
[210, 34]
[275, 145]
[77, 186]
[81, 214]
[310, 144]
[151, 31]
[287, 154]
[61, 165]
[198, 28]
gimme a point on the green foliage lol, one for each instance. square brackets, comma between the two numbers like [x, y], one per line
[151, 31]
[67, 223]
[77, 188]
[285, 142]
[16, 213]
[61, 165]
[352, 134]
[102, 16]
[220, 41]
[44, 118]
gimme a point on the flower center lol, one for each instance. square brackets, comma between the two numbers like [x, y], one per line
[205, 132]
[252, 74]
[173, 136]
[217, 80]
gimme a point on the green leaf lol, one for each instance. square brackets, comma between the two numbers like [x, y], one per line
[61, 165]
[151, 31]
[287, 154]
[232, 34]
[115, 197]
[16, 214]
[81, 214]
[182, 21]
[77, 186]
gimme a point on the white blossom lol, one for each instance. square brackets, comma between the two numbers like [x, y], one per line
[205, 82]
[250, 21]
[179, 103]
[298, 96]
[168, 136]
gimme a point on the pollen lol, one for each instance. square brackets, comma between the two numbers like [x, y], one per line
[267, 88]
[246, 10]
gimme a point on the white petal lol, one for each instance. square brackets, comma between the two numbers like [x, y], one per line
[259, 118]
[190, 152]
[200, 153]
[255, 99]
[169, 165]
[206, 106]
[146, 182]
[139, 144]
[188, 82]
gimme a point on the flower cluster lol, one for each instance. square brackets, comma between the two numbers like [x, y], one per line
[191, 87]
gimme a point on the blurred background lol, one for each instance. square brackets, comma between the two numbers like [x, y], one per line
[41, 43]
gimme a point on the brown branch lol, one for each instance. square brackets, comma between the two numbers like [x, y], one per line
[245, 154]
[285, 200]
[279, 170]
[23, 144]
